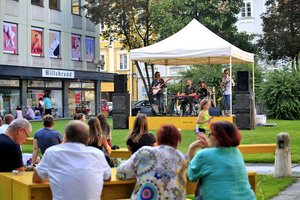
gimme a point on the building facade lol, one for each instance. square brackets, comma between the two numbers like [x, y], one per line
[49, 48]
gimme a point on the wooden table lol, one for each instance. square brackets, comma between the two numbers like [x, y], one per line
[21, 187]
[120, 153]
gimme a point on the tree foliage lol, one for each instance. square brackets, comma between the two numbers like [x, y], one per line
[281, 27]
[126, 21]
[169, 16]
[281, 95]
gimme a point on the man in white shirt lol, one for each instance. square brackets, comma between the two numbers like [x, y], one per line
[75, 171]
[6, 122]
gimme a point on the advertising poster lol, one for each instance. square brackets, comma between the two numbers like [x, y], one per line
[76, 47]
[36, 41]
[89, 49]
[54, 42]
[10, 36]
[77, 98]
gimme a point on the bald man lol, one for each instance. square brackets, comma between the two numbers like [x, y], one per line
[10, 141]
[75, 170]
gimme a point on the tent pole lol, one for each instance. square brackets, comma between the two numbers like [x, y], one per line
[230, 64]
[130, 96]
[253, 89]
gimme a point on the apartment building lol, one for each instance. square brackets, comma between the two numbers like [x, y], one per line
[49, 48]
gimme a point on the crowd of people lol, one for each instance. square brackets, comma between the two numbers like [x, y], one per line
[161, 170]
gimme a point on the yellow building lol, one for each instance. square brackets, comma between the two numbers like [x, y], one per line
[117, 61]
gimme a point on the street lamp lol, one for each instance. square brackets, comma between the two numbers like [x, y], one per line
[99, 64]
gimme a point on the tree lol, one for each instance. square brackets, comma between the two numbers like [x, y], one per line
[169, 16]
[281, 95]
[127, 21]
[281, 27]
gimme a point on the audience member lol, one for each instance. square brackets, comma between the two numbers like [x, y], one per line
[79, 116]
[47, 104]
[219, 168]
[140, 136]
[1, 122]
[105, 128]
[19, 113]
[203, 119]
[41, 106]
[10, 141]
[45, 137]
[75, 171]
[6, 122]
[30, 115]
[98, 139]
[159, 171]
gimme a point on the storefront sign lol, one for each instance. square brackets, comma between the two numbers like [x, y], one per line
[57, 73]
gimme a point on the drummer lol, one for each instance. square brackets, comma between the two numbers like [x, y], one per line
[189, 93]
[202, 90]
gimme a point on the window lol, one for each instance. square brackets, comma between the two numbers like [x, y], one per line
[76, 7]
[37, 2]
[76, 47]
[54, 44]
[36, 41]
[54, 4]
[102, 57]
[10, 38]
[246, 9]
[123, 61]
[89, 49]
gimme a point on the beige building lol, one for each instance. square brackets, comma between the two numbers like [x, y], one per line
[48, 48]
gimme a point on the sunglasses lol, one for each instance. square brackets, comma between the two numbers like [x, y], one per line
[226, 73]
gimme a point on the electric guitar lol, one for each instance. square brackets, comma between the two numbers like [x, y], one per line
[159, 86]
[223, 87]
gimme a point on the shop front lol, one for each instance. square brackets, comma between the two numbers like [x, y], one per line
[70, 91]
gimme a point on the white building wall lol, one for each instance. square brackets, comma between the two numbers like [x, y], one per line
[253, 24]
[26, 15]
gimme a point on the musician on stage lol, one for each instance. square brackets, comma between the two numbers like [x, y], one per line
[226, 91]
[202, 90]
[158, 84]
[190, 93]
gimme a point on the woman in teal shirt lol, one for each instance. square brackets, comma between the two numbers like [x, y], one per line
[220, 169]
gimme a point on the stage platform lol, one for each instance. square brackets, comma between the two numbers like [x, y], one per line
[183, 123]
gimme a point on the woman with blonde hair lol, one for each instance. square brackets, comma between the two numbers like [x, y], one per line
[204, 118]
[140, 136]
[97, 139]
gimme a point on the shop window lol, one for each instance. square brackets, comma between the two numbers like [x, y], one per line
[10, 38]
[81, 101]
[35, 84]
[53, 84]
[75, 7]
[9, 100]
[88, 85]
[123, 62]
[54, 4]
[9, 83]
[75, 85]
[37, 2]
[246, 9]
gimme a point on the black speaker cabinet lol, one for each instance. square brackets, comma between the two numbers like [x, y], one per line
[242, 81]
[121, 102]
[120, 121]
[244, 121]
[243, 102]
[120, 83]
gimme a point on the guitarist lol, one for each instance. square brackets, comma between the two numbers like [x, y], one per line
[226, 91]
[157, 85]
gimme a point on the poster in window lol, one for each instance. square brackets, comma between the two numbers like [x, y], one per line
[54, 44]
[76, 47]
[89, 49]
[36, 41]
[10, 36]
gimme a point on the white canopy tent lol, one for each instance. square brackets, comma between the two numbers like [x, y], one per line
[194, 44]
